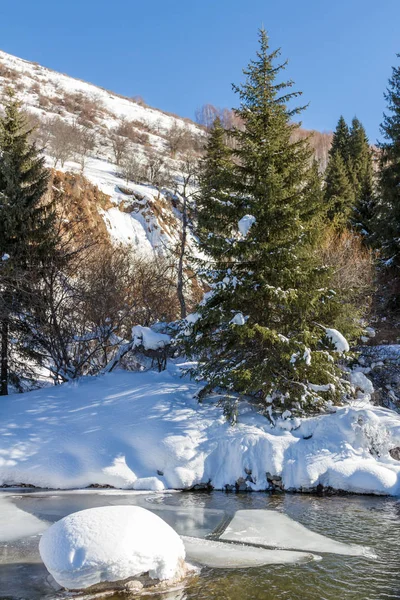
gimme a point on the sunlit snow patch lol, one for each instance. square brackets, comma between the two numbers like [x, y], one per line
[221, 555]
[271, 528]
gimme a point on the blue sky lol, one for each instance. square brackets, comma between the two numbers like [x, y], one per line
[180, 54]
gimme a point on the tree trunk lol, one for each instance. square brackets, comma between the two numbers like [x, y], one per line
[179, 288]
[4, 359]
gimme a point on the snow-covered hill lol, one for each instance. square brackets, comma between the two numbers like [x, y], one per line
[142, 214]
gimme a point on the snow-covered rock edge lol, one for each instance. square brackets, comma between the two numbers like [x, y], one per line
[146, 431]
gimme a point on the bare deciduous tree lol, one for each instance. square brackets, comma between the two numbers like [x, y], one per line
[185, 191]
[157, 171]
[84, 144]
[62, 140]
[120, 145]
[133, 168]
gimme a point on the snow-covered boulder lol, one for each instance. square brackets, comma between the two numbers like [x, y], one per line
[111, 544]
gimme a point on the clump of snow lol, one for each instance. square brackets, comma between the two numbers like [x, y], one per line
[360, 381]
[148, 338]
[338, 340]
[245, 224]
[307, 356]
[271, 528]
[5, 257]
[110, 543]
[238, 319]
[192, 318]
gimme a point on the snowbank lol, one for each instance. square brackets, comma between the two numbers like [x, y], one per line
[111, 543]
[146, 431]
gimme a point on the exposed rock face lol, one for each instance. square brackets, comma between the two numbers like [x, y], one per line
[383, 368]
[395, 453]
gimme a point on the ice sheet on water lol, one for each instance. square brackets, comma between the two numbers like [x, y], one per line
[271, 528]
[221, 555]
[16, 523]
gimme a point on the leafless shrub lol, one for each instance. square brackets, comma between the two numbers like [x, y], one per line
[139, 100]
[35, 88]
[87, 109]
[157, 170]
[352, 265]
[43, 101]
[8, 72]
[133, 168]
[63, 140]
[129, 130]
[84, 143]
[120, 145]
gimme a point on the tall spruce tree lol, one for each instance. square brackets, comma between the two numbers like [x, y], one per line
[339, 191]
[388, 210]
[341, 141]
[214, 205]
[26, 233]
[261, 329]
[363, 178]
[339, 178]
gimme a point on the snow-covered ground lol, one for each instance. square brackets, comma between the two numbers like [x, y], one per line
[147, 431]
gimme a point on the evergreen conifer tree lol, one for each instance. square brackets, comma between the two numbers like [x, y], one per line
[261, 329]
[339, 193]
[362, 168]
[341, 141]
[26, 231]
[388, 210]
[339, 177]
[213, 203]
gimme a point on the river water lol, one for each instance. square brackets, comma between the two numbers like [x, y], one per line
[364, 520]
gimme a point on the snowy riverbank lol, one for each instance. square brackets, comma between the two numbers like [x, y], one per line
[146, 431]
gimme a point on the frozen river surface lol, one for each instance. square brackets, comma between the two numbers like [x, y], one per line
[360, 560]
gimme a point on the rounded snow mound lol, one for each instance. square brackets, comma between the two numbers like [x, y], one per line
[110, 544]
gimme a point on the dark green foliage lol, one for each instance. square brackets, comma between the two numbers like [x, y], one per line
[341, 141]
[261, 330]
[349, 192]
[26, 232]
[388, 211]
[363, 178]
[339, 192]
[214, 205]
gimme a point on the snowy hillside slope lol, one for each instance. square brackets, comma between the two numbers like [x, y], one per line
[154, 221]
[146, 431]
